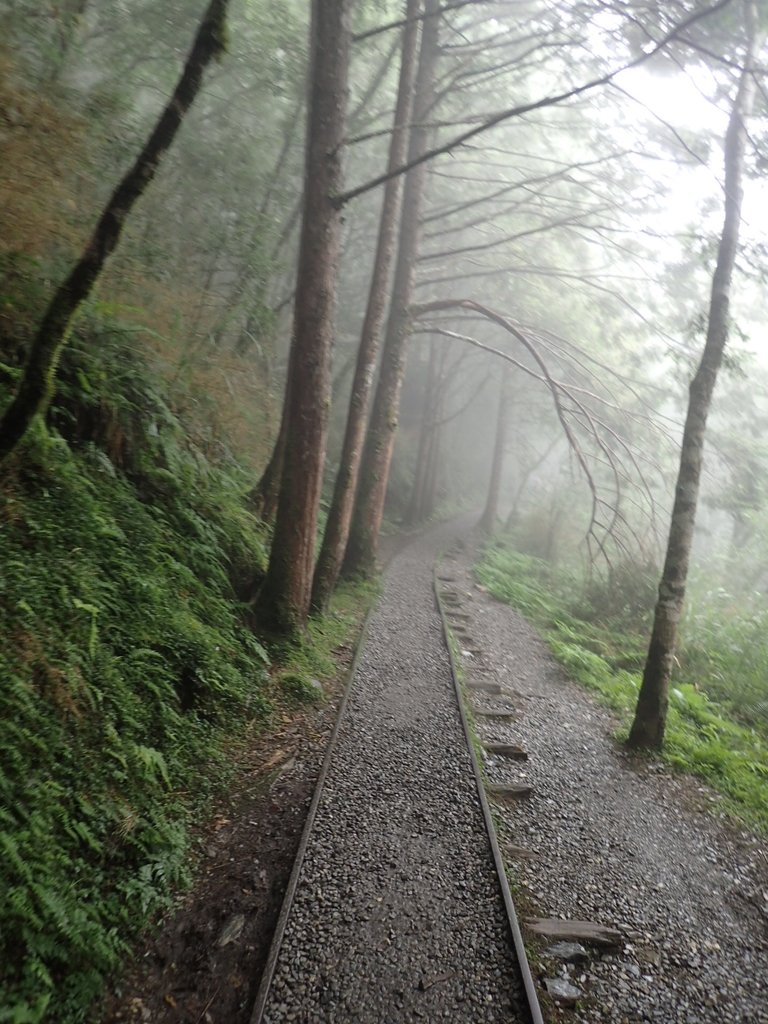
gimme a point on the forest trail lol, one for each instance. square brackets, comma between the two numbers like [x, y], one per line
[398, 915]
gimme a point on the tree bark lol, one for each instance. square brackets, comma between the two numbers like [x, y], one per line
[340, 513]
[421, 471]
[37, 382]
[360, 556]
[282, 604]
[263, 498]
[429, 492]
[650, 718]
[487, 522]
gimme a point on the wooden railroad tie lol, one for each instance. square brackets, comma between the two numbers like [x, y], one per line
[510, 790]
[511, 750]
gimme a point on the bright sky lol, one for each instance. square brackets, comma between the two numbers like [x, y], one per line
[685, 101]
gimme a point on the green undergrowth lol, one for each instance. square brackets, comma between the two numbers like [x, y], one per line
[130, 676]
[125, 668]
[702, 735]
[725, 645]
[306, 661]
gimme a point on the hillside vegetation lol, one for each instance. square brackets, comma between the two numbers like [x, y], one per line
[131, 671]
[717, 725]
[126, 665]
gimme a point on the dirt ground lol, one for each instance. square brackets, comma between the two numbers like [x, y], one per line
[203, 963]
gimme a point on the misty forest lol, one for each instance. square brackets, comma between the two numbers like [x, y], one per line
[383, 416]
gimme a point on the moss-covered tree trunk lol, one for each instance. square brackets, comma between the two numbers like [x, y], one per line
[283, 601]
[650, 718]
[340, 512]
[360, 556]
[487, 522]
[37, 381]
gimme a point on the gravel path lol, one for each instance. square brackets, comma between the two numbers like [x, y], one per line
[627, 847]
[398, 915]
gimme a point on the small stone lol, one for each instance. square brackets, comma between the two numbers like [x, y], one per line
[515, 852]
[494, 689]
[511, 750]
[232, 930]
[510, 790]
[562, 991]
[496, 712]
[570, 952]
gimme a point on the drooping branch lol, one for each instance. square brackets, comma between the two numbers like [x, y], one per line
[572, 411]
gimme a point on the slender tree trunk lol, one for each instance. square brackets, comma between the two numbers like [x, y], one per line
[243, 285]
[263, 498]
[429, 493]
[37, 382]
[423, 495]
[651, 714]
[514, 512]
[416, 504]
[360, 556]
[283, 602]
[487, 521]
[340, 513]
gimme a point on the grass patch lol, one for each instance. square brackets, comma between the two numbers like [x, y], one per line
[702, 735]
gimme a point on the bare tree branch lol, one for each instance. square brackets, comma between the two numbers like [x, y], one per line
[547, 101]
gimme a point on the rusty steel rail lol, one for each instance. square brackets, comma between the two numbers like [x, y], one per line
[529, 985]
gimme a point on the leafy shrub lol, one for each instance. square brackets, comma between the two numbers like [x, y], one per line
[723, 648]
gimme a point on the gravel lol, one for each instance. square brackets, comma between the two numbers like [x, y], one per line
[635, 848]
[398, 915]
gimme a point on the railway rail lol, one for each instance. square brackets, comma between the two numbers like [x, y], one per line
[398, 907]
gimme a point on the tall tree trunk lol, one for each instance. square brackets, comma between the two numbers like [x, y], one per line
[246, 276]
[283, 601]
[514, 512]
[429, 493]
[340, 513]
[37, 382]
[651, 713]
[487, 522]
[423, 495]
[416, 504]
[263, 498]
[360, 556]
